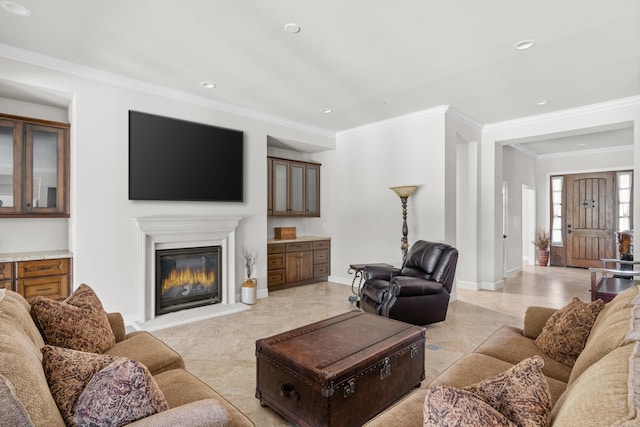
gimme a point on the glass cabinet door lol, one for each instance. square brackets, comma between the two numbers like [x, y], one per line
[45, 171]
[297, 189]
[280, 182]
[10, 181]
[313, 190]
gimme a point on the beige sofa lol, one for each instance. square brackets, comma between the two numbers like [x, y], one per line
[601, 389]
[24, 387]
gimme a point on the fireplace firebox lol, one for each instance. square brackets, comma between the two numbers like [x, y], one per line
[187, 278]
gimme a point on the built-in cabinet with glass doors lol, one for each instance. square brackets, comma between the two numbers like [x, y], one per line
[34, 168]
[293, 188]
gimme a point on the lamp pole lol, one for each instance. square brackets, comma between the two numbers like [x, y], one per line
[404, 192]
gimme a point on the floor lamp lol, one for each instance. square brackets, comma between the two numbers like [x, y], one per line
[404, 192]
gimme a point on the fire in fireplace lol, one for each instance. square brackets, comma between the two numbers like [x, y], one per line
[187, 278]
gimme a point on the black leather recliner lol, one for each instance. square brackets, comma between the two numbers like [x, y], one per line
[416, 293]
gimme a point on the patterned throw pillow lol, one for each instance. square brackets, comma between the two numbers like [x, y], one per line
[79, 322]
[449, 406]
[521, 393]
[565, 334]
[121, 393]
[68, 372]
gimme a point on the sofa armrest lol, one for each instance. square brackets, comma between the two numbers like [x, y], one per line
[406, 286]
[372, 272]
[117, 325]
[534, 320]
[201, 413]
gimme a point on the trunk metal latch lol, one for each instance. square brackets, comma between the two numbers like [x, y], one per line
[350, 388]
[385, 371]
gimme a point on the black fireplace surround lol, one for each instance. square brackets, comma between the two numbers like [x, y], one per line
[187, 278]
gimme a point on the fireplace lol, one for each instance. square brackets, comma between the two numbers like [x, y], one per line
[159, 233]
[187, 278]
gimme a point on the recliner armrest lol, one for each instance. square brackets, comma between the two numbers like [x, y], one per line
[372, 272]
[406, 286]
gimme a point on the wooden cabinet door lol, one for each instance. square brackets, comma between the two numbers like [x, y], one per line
[299, 266]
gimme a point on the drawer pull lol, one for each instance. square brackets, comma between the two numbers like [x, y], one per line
[40, 268]
[288, 392]
[43, 289]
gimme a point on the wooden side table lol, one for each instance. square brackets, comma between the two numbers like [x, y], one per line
[358, 276]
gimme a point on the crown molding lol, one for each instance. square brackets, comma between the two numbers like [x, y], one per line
[431, 113]
[79, 70]
[629, 102]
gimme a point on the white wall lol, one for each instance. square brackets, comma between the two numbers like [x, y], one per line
[519, 169]
[101, 231]
[363, 216]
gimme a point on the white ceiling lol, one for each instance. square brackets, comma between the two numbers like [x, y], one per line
[368, 60]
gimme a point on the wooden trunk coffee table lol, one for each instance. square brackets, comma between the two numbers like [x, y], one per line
[341, 371]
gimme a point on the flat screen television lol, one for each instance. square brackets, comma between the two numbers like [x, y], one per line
[179, 160]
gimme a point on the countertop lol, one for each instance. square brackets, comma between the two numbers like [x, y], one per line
[298, 239]
[34, 256]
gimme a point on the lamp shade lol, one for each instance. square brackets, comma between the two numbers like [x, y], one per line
[404, 191]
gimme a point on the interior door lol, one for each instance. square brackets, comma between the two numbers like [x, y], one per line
[590, 218]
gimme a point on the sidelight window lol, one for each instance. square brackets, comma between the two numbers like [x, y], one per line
[624, 200]
[556, 210]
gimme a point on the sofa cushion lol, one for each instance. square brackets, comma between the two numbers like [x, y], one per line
[79, 322]
[617, 326]
[606, 394]
[148, 350]
[18, 310]
[449, 406]
[122, 392]
[21, 361]
[202, 413]
[565, 333]
[521, 393]
[510, 345]
[13, 411]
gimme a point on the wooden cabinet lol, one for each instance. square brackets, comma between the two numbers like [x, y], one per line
[293, 188]
[297, 263]
[50, 278]
[6, 275]
[34, 168]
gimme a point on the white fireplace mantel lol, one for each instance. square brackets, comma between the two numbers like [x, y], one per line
[169, 232]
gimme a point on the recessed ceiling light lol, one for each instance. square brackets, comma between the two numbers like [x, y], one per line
[327, 110]
[542, 102]
[524, 44]
[208, 85]
[15, 8]
[292, 28]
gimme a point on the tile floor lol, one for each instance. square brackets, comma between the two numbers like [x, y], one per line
[221, 350]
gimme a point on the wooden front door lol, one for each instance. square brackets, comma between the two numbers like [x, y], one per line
[591, 203]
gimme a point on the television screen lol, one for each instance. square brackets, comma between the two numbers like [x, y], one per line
[172, 159]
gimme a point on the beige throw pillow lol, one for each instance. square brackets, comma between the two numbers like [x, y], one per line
[79, 322]
[565, 333]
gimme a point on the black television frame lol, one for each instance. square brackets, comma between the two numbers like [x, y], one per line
[207, 161]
